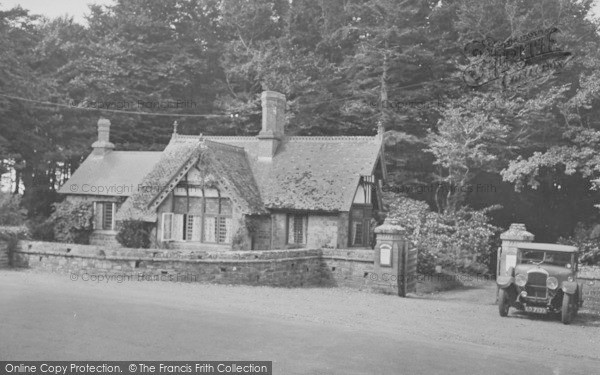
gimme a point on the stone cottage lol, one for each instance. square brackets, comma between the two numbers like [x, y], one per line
[272, 191]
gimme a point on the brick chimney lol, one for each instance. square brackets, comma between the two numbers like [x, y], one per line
[273, 124]
[103, 146]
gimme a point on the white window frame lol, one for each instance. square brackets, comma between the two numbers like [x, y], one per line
[199, 230]
[172, 217]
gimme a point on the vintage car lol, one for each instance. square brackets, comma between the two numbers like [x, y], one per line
[543, 280]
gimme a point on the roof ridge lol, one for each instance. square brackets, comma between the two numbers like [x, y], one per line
[225, 145]
[232, 137]
[183, 137]
[331, 138]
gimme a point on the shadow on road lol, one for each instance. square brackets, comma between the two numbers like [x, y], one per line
[585, 318]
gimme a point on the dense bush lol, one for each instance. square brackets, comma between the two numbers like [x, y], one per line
[135, 233]
[587, 239]
[426, 261]
[11, 213]
[41, 229]
[460, 240]
[11, 235]
[70, 223]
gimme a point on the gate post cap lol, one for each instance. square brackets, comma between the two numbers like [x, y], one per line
[390, 226]
[517, 232]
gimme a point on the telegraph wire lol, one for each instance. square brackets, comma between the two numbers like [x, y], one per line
[115, 110]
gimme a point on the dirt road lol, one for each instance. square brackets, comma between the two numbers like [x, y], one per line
[303, 331]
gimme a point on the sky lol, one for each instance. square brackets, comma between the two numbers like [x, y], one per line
[55, 8]
[77, 8]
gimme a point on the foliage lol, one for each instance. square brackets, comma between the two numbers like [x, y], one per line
[41, 229]
[339, 62]
[72, 222]
[11, 212]
[462, 145]
[459, 240]
[426, 262]
[11, 235]
[135, 234]
[8, 233]
[587, 239]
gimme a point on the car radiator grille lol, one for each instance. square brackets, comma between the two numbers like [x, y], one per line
[536, 285]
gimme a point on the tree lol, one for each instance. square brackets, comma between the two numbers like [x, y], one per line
[461, 145]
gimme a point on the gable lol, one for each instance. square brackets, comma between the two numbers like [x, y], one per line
[218, 165]
[311, 173]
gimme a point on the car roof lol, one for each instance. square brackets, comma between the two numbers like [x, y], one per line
[547, 247]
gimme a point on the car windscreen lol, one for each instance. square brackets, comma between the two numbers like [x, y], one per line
[556, 258]
[532, 256]
[547, 257]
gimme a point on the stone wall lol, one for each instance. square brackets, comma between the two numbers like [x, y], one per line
[590, 275]
[323, 231]
[348, 268]
[285, 268]
[104, 238]
[4, 255]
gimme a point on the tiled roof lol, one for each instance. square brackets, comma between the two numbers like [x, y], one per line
[227, 164]
[311, 173]
[306, 173]
[118, 173]
[176, 159]
[233, 167]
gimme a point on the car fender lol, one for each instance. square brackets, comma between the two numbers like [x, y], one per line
[569, 287]
[505, 281]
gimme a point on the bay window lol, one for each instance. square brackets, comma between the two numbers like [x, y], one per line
[212, 225]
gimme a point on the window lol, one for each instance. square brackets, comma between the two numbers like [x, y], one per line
[217, 220]
[297, 225]
[357, 233]
[194, 230]
[360, 225]
[214, 226]
[104, 218]
[217, 229]
[364, 190]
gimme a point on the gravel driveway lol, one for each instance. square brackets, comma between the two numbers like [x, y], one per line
[304, 331]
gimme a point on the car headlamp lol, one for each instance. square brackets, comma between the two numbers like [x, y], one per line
[521, 279]
[551, 283]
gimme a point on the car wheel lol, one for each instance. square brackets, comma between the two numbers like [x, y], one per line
[567, 309]
[503, 303]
